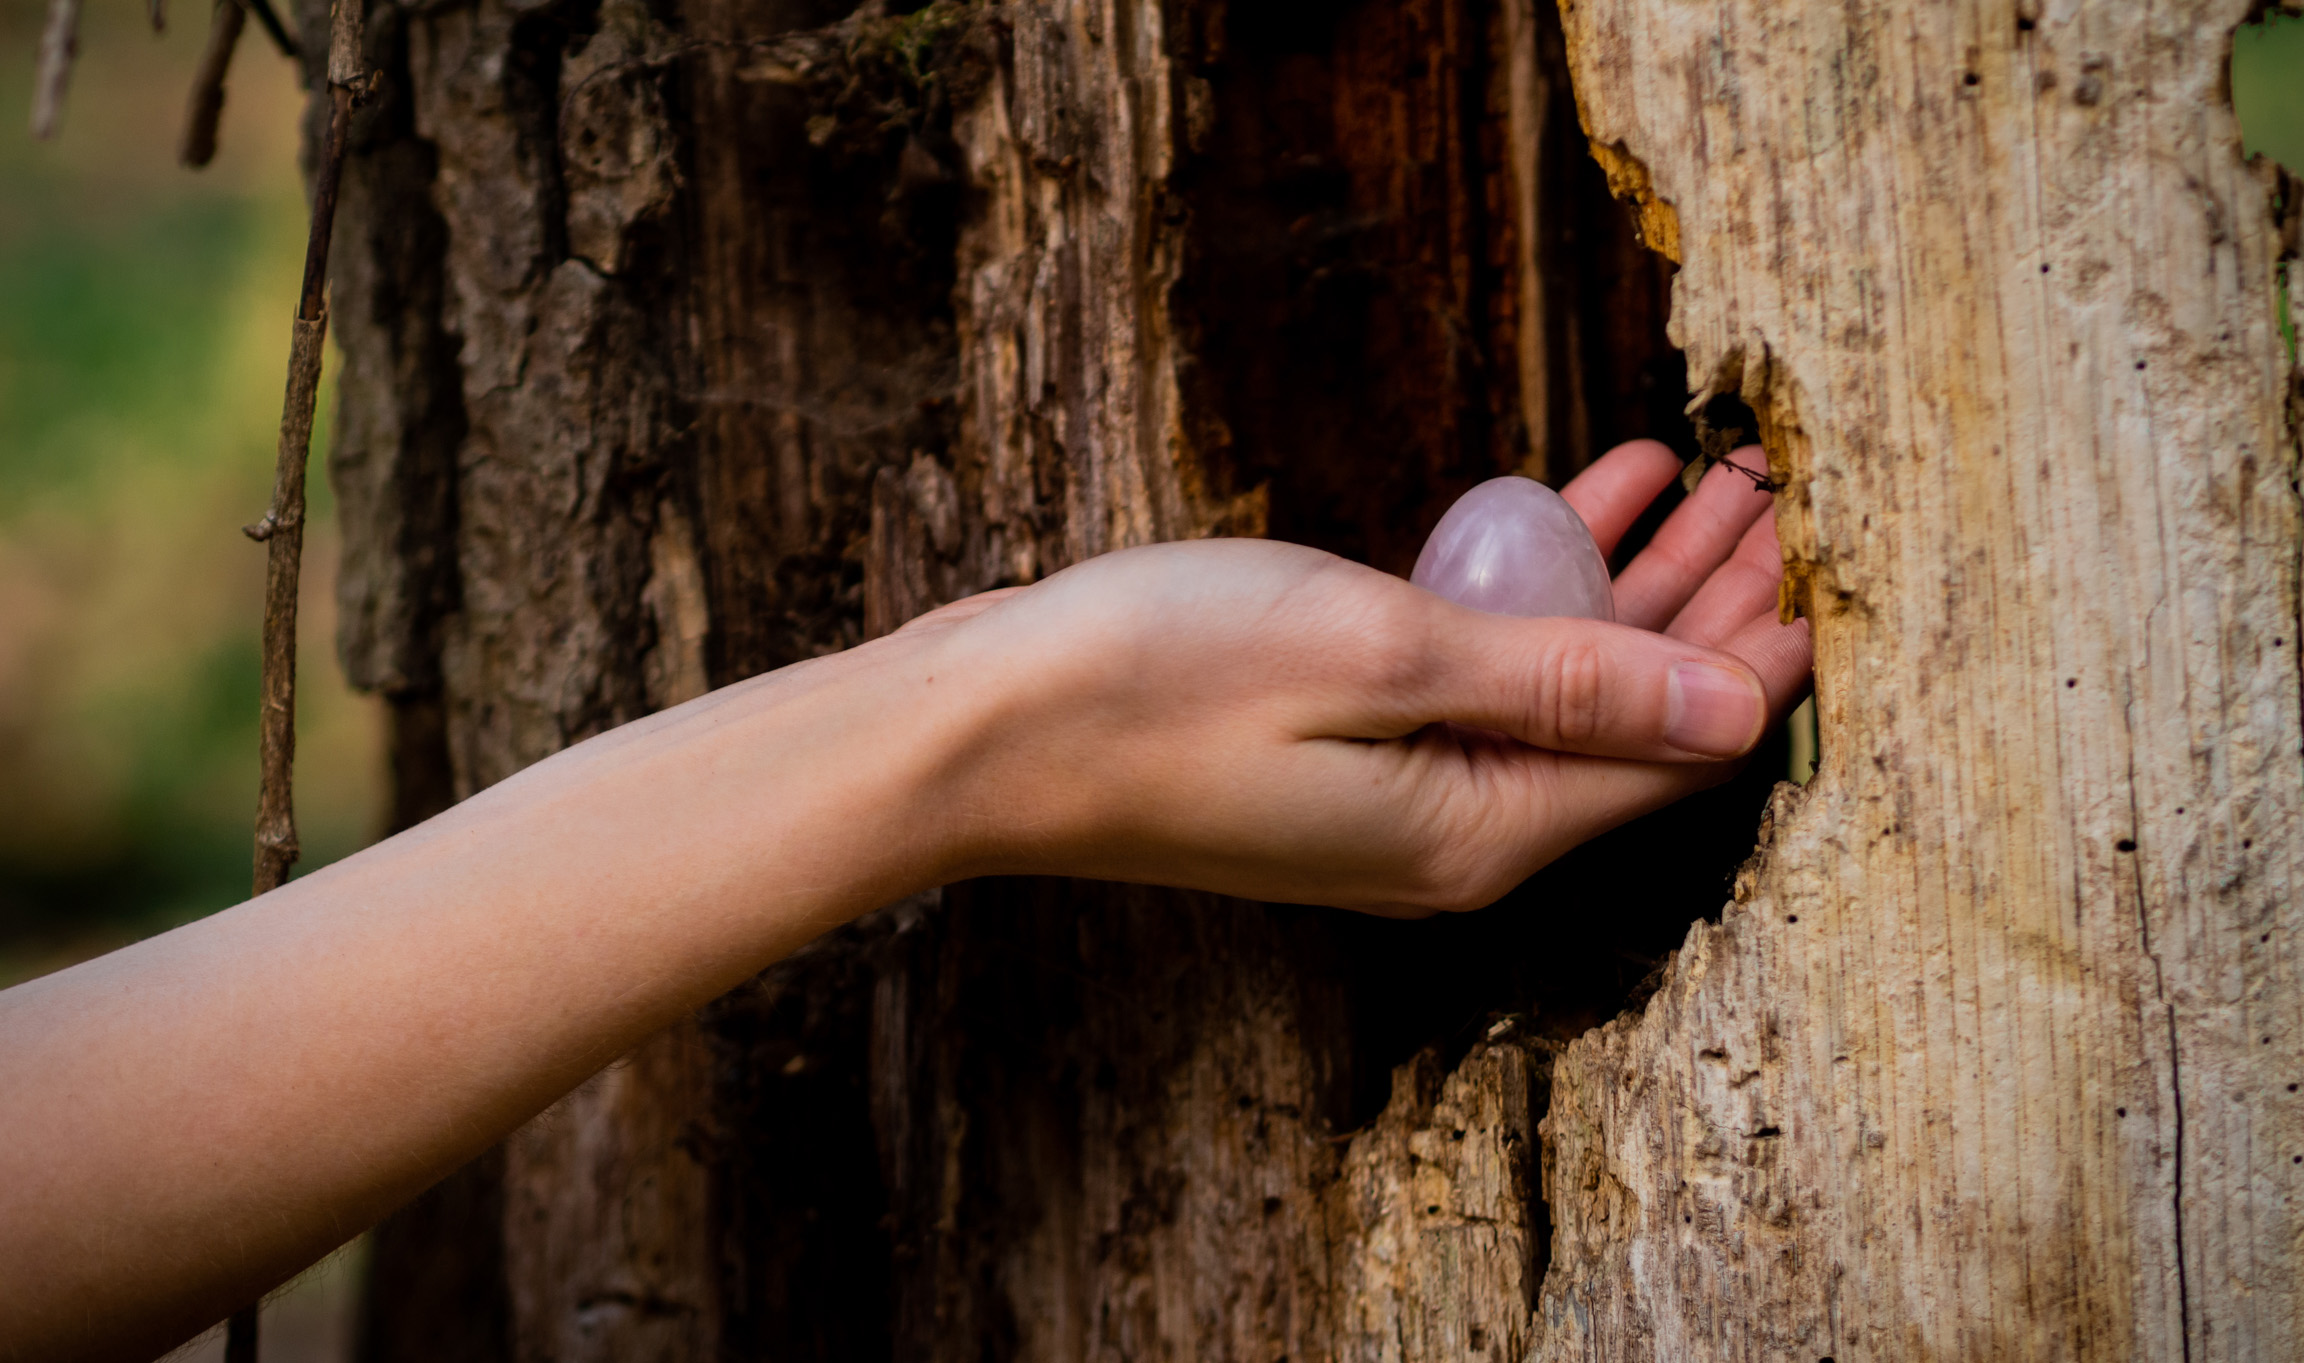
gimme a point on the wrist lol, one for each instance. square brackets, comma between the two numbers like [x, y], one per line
[874, 759]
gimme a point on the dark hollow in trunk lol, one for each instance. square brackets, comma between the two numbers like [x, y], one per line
[682, 344]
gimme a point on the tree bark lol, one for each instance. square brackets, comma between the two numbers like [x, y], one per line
[681, 345]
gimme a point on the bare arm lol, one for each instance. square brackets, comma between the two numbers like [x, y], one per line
[190, 1120]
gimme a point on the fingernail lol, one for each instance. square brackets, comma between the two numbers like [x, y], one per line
[1712, 710]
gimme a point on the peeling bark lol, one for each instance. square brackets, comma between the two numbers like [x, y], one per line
[685, 345]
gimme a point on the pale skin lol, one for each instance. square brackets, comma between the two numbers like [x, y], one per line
[193, 1119]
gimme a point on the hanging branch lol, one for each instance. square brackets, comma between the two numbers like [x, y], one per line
[207, 105]
[282, 529]
[59, 44]
[281, 37]
[224, 27]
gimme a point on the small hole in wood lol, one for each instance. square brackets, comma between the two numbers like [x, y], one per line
[2070, 682]
[2140, 364]
[2246, 843]
[2119, 1112]
[1971, 79]
[2124, 845]
[2023, 25]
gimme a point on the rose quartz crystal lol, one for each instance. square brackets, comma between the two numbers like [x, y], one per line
[1512, 546]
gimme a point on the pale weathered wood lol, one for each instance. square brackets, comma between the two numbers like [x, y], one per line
[1995, 1054]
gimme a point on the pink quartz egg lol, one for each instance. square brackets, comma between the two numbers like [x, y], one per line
[1512, 546]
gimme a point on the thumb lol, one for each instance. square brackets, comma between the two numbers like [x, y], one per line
[1584, 686]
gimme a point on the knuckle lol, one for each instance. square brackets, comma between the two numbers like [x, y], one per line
[1573, 696]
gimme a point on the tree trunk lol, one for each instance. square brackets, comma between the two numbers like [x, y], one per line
[684, 344]
[1995, 1054]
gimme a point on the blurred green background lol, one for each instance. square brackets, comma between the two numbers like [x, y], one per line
[2268, 87]
[143, 337]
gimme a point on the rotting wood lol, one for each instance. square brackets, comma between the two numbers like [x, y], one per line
[839, 316]
[1436, 1221]
[1994, 1053]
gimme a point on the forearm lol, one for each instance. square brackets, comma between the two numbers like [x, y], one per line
[206, 1112]
[192, 1119]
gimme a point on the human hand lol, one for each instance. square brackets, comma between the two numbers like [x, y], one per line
[1253, 718]
[1274, 722]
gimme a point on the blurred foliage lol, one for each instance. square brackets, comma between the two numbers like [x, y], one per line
[143, 340]
[2268, 87]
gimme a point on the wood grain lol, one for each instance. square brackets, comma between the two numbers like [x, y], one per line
[1995, 1053]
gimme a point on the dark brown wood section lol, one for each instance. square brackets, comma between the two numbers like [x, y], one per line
[685, 343]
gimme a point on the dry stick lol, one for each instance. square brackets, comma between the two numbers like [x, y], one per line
[224, 27]
[281, 38]
[59, 44]
[282, 529]
[207, 107]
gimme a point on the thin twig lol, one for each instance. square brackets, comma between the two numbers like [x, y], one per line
[157, 10]
[282, 529]
[59, 44]
[269, 19]
[283, 537]
[199, 145]
[1761, 481]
